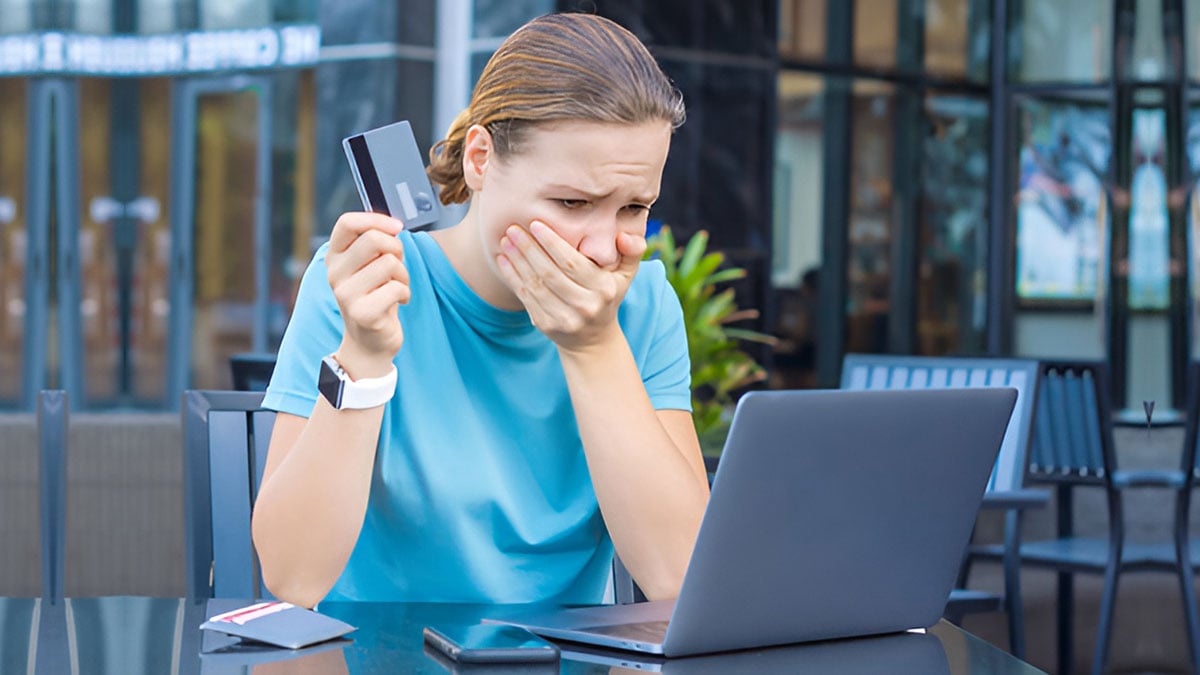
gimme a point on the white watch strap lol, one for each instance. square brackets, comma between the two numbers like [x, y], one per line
[368, 392]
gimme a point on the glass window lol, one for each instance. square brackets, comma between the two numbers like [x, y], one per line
[349, 22]
[1191, 38]
[99, 296]
[151, 301]
[875, 33]
[952, 250]
[365, 92]
[870, 229]
[498, 18]
[1149, 256]
[161, 16]
[1148, 59]
[16, 16]
[479, 61]
[13, 237]
[1062, 212]
[92, 16]
[796, 240]
[957, 38]
[1192, 160]
[296, 11]
[292, 195]
[226, 14]
[418, 25]
[223, 307]
[802, 26]
[1063, 40]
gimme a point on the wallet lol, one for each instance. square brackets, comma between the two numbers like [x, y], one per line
[278, 623]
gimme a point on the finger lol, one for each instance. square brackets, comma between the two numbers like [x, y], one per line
[367, 247]
[514, 256]
[378, 272]
[539, 272]
[382, 302]
[631, 245]
[573, 264]
[378, 308]
[632, 248]
[350, 225]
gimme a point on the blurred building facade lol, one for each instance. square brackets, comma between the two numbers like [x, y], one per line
[910, 176]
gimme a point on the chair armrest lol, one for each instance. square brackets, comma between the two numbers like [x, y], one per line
[1016, 499]
[1160, 478]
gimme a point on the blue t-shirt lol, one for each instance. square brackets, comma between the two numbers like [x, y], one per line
[481, 491]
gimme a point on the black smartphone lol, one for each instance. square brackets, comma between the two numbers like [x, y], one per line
[390, 174]
[489, 643]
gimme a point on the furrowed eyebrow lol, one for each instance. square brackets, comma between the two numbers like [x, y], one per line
[577, 190]
[648, 198]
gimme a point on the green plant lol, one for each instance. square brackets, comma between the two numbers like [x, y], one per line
[719, 365]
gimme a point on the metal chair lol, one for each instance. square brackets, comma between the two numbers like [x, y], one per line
[1005, 488]
[52, 447]
[226, 435]
[251, 371]
[1185, 558]
[1073, 447]
[49, 611]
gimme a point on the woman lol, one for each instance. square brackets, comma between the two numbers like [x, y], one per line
[522, 383]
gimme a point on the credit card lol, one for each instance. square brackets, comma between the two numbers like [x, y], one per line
[390, 174]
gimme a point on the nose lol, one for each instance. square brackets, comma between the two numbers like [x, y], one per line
[599, 242]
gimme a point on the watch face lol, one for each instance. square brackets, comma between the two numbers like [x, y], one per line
[330, 385]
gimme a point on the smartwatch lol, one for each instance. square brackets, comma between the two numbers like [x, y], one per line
[344, 393]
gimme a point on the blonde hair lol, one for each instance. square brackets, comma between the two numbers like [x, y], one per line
[557, 67]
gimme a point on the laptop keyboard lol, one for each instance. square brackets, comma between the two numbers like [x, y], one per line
[644, 631]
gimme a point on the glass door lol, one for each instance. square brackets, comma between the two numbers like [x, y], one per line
[162, 253]
[221, 236]
[22, 372]
[112, 238]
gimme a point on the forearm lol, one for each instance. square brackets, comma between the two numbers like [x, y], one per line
[310, 508]
[651, 496]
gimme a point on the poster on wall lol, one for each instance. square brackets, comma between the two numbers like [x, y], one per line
[1062, 214]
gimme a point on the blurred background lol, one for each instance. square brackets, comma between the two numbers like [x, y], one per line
[907, 176]
[969, 177]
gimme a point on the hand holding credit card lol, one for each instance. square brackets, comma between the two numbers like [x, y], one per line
[390, 174]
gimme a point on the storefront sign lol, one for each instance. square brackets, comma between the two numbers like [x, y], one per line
[287, 46]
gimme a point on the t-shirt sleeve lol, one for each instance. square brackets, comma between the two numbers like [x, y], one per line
[314, 332]
[667, 371]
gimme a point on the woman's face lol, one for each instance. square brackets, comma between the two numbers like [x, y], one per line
[588, 181]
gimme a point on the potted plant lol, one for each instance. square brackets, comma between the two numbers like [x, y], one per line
[719, 365]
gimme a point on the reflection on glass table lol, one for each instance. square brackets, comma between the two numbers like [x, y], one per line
[138, 635]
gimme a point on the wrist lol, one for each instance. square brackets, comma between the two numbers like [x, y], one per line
[360, 364]
[602, 344]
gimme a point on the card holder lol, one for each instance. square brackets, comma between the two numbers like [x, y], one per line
[278, 623]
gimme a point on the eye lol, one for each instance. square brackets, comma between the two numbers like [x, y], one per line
[572, 204]
[637, 207]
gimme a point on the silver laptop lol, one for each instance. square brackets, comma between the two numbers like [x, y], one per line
[833, 514]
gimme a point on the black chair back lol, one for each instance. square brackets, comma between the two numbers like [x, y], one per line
[225, 436]
[252, 371]
[1072, 439]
